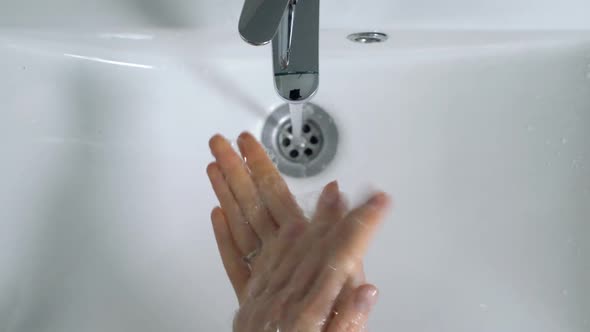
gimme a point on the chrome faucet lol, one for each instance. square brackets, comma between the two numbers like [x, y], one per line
[293, 27]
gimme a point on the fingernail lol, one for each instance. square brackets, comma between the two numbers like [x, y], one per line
[378, 200]
[244, 135]
[241, 139]
[366, 298]
[213, 139]
[331, 194]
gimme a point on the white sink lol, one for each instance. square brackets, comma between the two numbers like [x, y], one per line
[481, 137]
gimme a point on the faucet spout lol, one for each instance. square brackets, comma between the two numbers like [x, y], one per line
[293, 27]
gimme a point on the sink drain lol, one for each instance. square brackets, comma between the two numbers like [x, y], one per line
[309, 155]
[307, 148]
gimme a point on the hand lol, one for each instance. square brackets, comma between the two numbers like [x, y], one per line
[305, 276]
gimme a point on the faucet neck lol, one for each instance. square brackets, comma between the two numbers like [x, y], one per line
[295, 42]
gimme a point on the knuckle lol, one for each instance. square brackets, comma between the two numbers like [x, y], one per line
[346, 261]
[293, 231]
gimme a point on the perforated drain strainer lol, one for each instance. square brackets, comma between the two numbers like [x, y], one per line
[315, 149]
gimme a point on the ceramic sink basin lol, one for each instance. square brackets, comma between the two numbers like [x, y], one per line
[481, 137]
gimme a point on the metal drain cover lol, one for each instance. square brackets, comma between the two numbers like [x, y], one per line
[368, 37]
[315, 149]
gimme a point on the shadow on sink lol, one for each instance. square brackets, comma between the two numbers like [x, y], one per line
[184, 13]
[75, 263]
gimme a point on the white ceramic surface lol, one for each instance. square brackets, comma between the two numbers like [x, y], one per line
[473, 14]
[482, 138]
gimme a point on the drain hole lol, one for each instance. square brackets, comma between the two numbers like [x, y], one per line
[314, 140]
[308, 152]
[286, 142]
[306, 128]
[294, 154]
[290, 130]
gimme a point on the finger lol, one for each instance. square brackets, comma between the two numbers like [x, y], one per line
[246, 240]
[309, 270]
[302, 278]
[352, 236]
[312, 265]
[272, 188]
[350, 239]
[355, 312]
[231, 257]
[286, 242]
[330, 208]
[242, 187]
[285, 268]
[276, 252]
[357, 279]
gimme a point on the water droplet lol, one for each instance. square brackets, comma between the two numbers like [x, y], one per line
[483, 306]
[565, 292]
[564, 141]
[530, 128]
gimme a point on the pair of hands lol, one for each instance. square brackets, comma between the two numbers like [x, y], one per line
[289, 274]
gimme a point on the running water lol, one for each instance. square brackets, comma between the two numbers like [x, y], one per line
[296, 120]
